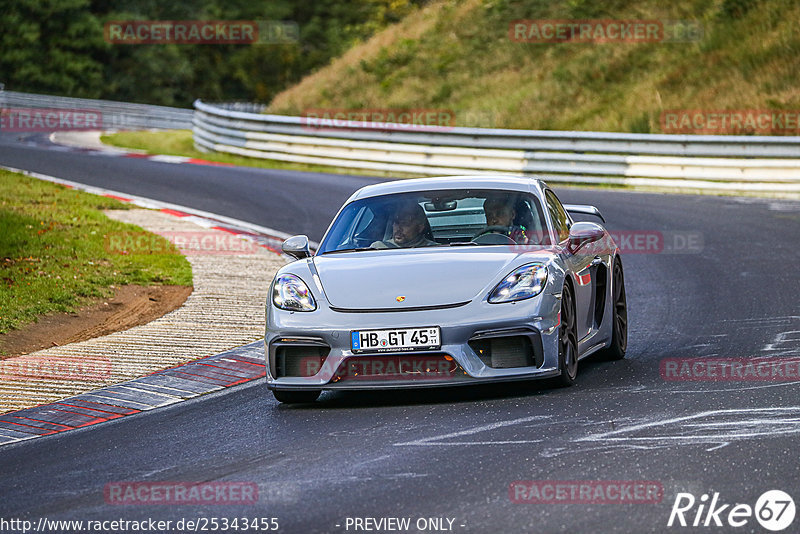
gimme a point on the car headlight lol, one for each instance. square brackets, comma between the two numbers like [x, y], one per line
[524, 283]
[290, 293]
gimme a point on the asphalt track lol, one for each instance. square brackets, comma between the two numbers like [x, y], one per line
[452, 453]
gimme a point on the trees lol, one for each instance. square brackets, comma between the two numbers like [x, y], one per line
[51, 46]
[58, 47]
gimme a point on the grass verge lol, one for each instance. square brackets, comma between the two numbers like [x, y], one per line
[53, 255]
[459, 56]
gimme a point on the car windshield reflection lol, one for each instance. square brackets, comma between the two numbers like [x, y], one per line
[447, 218]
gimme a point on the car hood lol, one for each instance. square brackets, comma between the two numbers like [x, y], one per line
[425, 277]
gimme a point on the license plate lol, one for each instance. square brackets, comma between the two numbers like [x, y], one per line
[397, 339]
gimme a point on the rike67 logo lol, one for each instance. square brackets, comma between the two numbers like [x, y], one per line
[774, 510]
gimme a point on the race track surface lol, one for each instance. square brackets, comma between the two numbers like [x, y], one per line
[452, 453]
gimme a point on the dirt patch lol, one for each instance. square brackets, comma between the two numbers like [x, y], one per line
[131, 305]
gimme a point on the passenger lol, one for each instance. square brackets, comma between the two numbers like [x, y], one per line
[499, 211]
[409, 226]
[500, 214]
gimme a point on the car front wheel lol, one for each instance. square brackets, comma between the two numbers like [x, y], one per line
[567, 340]
[619, 327]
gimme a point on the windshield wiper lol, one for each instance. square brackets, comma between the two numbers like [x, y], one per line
[357, 249]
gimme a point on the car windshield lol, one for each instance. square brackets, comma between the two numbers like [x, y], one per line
[439, 218]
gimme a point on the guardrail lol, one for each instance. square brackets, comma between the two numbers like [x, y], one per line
[113, 115]
[754, 163]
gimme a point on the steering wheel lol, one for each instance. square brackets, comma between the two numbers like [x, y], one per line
[493, 235]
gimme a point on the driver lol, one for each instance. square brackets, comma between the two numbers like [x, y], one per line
[408, 228]
[500, 213]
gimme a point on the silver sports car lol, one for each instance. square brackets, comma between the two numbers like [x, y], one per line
[442, 282]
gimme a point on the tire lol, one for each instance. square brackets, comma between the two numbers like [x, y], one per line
[567, 340]
[296, 397]
[619, 316]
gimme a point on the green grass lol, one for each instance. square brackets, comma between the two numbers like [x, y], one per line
[53, 255]
[457, 55]
[179, 143]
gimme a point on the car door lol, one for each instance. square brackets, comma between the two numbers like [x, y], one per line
[579, 263]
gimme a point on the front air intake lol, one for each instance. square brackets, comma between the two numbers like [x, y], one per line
[508, 351]
[297, 357]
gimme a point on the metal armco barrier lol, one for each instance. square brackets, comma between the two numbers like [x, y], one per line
[114, 115]
[714, 162]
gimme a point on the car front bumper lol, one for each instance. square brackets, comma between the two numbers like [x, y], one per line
[329, 331]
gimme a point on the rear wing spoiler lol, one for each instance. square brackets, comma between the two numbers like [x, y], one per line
[584, 209]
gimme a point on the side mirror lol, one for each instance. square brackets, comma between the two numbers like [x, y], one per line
[583, 233]
[296, 247]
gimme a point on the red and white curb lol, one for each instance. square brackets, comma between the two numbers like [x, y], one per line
[162, 388]
[163, 158]
[88, 142]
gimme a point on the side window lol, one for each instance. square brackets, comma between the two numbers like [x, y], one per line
[558, 214]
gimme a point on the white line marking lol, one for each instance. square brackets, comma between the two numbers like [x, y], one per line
[746, 422]
[164, 158]
[732, 388]
[765, 427]
[131, 387]
[791, 344]
[475, 430]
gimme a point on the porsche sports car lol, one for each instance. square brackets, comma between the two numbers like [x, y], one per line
[442, 282]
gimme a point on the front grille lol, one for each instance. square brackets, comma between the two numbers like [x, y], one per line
[297, 357]
[508, 351]
[395, 367]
